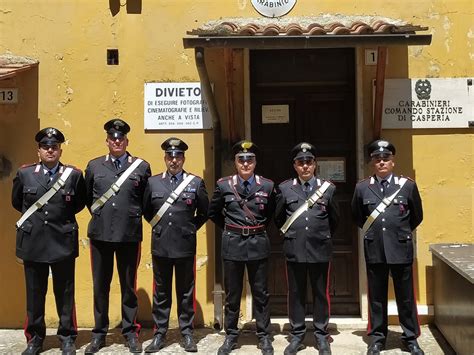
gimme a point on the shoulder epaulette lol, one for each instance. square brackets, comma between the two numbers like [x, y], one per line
[366, 178]
[225, 178]
[27, 165]
[102, 157]
[75, 168]
[264, 178]
[286, 181]
[407, 177]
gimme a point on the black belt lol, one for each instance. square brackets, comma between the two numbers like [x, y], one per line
[245, 230]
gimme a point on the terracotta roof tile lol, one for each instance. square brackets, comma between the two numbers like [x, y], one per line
[10, 65]
[325, 24]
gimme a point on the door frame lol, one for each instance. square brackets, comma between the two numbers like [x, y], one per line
[359, 60]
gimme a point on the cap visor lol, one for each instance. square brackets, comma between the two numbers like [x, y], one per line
[174, 153]
[303, 156]
[49, 141]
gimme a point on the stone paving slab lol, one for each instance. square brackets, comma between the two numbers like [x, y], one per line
[346, 342]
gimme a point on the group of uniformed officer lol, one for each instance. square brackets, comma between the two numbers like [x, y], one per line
[118, 190]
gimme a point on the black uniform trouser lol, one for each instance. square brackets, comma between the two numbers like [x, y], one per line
[257, 271]
[184, 283]
[36, 277]
[102, 260]
[377, 280]
[297, 281]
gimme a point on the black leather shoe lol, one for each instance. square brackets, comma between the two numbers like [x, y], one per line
[414, 348]
[133, 344]
[375, 349]
[265, 345]
[226, 348]
[189, 344]
[157, 343]
[94, 346]
[293, 347]
[32, 348]
[323, 347]
[68, 347]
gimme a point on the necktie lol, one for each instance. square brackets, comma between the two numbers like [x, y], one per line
[246, 187]
[49, 176]
[117, 164]
[307, 188]
[384, 184]
[174, 182]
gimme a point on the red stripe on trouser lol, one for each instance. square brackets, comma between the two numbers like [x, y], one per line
[25, 327]
[74, 316]
[414, 300]
[194, 290]
[369, 325]
[328, 297]
[154, 294]
[139, 253]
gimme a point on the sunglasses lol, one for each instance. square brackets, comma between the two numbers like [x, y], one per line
[49, 146]
[382, 157]
[248, 160]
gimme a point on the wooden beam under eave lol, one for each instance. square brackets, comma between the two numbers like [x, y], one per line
[379, 91]
[229, 92]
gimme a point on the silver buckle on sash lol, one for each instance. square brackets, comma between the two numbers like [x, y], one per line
[245, 231]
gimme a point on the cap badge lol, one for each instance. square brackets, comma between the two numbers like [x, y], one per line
[246, 145]
[382, 144]
[118, 124]
[174, 142]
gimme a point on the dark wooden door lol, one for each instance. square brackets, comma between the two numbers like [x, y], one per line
[317, 87]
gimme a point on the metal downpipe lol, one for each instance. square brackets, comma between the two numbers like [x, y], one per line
[218, 291]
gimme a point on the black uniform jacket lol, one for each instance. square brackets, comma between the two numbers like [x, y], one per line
[308, 240]
[225, 209]
[51, 233]
[120, 219]
[389, 239]
[174, 236]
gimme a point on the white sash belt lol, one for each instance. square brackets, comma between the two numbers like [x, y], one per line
[305, 206]
[46, 197]
[170, 200]
[381, 207]
[115, 188]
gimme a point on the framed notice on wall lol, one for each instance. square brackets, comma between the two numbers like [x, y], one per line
[331, 168]
[275, 114]
[175, 106]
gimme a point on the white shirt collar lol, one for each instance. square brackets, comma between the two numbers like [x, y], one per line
[387, 178]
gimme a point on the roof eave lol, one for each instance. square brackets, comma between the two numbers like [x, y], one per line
[10, 71]
[301, 42]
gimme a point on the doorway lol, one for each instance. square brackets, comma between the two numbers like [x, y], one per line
[312, 92]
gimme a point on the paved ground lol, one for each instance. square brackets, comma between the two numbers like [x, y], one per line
[348, 339]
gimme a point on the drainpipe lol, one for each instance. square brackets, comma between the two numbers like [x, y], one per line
[218, 291]
[379, 91]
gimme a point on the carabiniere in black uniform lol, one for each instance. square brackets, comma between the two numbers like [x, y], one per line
[115, 228]
[173, 243]
[48, 239]
[245, 244]
[307, 247]
[388, 247]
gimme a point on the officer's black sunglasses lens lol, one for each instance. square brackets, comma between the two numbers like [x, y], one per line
[248, 160]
